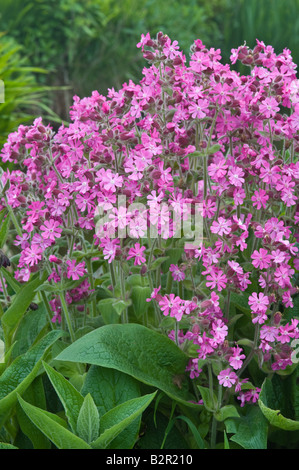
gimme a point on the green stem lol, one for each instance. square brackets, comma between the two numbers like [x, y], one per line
[91, 281]
[4, 288]
[214, 420]
[169, 283]
[123, 292]
[14, 220]
[48, 309]
[251, 354]
[112, 274]
[176, 331]
[67, 316]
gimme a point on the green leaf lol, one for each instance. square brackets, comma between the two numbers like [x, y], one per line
[88, 424]
[34, 395]
[270, 402]
[116, 420]
[70, 398]
[19, 375]
[120, 305]
[251, 431]
[31, 326]
[209, 402]
[138, 351]
[158, 262]
[58, 434]
[213, 149]
[198, 439]
[109, 314]
[240, 301]
[21, 302]
[109, 388]
[4, 230]
[139, 295]
[228, 411]
[155, 425]
[3, 212]
[226, 441]
[11, 281]
[4, 445]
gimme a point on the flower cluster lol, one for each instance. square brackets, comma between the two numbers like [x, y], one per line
[192, 140]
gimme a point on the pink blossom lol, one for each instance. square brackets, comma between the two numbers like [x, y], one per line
[137, 253]
[258, 302]
[261, 259]
[236, 360]
[222, 226]
[75, 270]
[177, 274]
[260, 198]
[227, 378]
[269, 107]
[51, 230]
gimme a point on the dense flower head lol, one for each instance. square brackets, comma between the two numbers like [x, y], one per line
[193, 140]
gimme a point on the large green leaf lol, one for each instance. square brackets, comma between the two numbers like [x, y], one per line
[116, 420]
[250, 429]
[109, 388]
[271, 402]
[58, 434]
[138, 351]
[71, 399]
[19, 375]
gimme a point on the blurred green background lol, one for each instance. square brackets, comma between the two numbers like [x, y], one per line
[51, 50]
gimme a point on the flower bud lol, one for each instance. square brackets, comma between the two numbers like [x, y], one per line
[277, 318]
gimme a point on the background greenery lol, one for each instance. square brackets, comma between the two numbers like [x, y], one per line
[84, 45]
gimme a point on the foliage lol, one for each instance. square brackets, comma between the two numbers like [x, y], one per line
[149, 261]
[274, 21]
[23, 96]
[100, 33]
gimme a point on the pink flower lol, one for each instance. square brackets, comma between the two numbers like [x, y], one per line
[282, 275]
[261, 259]
[258, 303]
[51, 229]
[109, 248]
[137, 253]
[227, 378]
[198, 110]
[169, 304]
[216, 279]
[177, 274]
[32, 255]
[219, 331]
[236, 360]
[154, 294]
[269, 107]
[260, 198]
[75, 271]
[221, 227]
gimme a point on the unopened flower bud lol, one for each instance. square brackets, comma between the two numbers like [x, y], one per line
[156, 174]
[54, 259]
[277, 318]
[143, 270]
